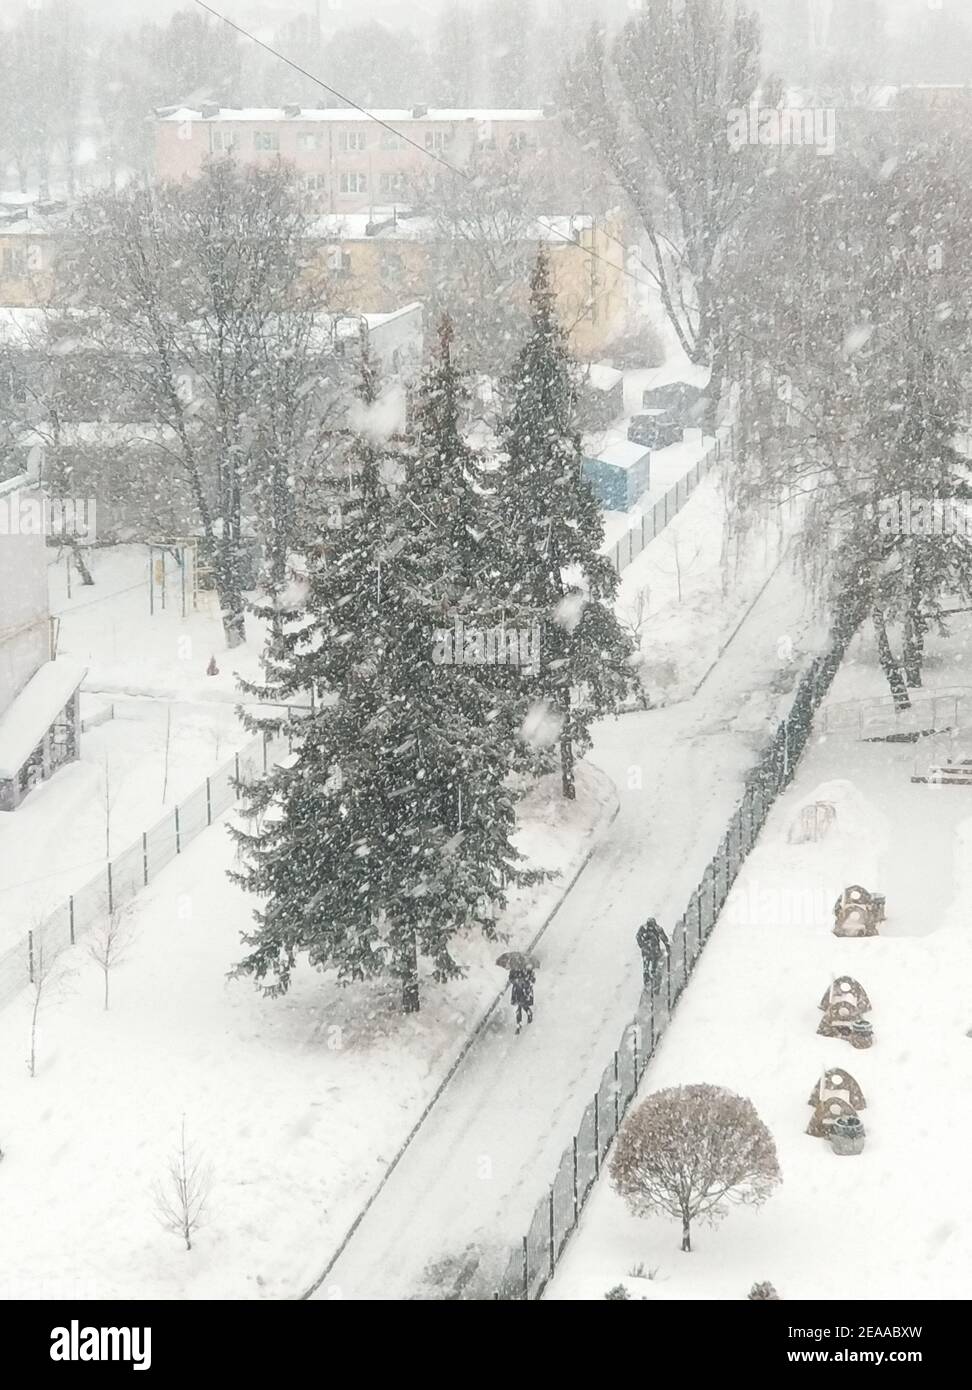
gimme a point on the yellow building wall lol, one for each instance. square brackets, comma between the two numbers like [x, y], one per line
[25, 269]
[380, 273]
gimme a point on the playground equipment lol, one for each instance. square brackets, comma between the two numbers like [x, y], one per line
[180, 553]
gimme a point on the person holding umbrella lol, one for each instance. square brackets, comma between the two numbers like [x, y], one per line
[523, 974]
[654, 948]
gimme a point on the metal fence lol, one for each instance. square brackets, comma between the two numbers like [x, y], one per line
[533, 1262]
[633, 542]
[122, 877]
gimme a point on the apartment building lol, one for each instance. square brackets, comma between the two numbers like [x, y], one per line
[28, 244]
[376, 262]
[349, 161]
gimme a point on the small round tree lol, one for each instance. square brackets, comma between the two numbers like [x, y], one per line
[689, 1152]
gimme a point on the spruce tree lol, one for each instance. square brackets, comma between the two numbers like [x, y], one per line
[389, 831]
[548, 536]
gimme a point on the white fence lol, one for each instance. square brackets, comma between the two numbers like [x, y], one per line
[878, 718]
[633, 542]
[122, 877]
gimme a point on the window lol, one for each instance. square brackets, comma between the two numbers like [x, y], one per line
[266, 140]
[313, 183]
[338, 261]
[354, 183]
[391, 183]
[14, 260]
[221, 141]
[519, 140]
[16, 384]
[436, 139]
[351, 140]
[308, 140]
[391, 141]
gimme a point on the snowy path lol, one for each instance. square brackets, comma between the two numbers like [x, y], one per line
[489, 1147]
[894, 1236]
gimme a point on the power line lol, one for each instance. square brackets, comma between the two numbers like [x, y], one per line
[430, 154]
[331, 90]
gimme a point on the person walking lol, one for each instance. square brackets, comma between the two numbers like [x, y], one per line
[654, 948]
[522, 979]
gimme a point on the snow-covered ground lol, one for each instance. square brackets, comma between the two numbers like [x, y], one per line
[697, 577]
[132, 770]
[894, 1222]
[107, 627]
[297, 1104]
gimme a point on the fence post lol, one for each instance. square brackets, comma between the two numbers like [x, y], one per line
[71, 917]
[617, 1093]
[111, 902]
[30, 956]
[236, 773]
[575, 1180]
[178, 834]
[597, 1135]
[266, 742]
[209, 802]
[144, 857]
[553, 1256]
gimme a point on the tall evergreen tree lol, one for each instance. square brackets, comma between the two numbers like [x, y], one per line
[549, 536]
[388, 833]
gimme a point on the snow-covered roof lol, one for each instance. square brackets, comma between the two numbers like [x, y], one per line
[602, 377]
[558, 229]
[400, 116]
[25, 223]
[623, 454]
[34, 711]
[20, 326]
[17, 483]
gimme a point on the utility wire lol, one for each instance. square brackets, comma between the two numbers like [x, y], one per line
[430, 154]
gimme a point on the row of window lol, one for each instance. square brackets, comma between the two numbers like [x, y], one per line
[389, 185]
[222, 140]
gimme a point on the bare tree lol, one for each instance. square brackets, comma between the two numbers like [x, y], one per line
[689, 1151]
[109, 942]
[42, 977]
[210, 286]
[181, 1197]
[634, 615]
[656, 109]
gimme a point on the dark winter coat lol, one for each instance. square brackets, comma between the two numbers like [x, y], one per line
[521, 991]
[652, 942]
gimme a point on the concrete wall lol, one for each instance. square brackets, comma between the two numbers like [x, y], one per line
[24, 626]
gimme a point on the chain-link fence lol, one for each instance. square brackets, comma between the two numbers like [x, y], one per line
[633, 542]
[532, 1264]
[122, 877]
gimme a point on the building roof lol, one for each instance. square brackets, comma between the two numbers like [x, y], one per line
[602, 377]
[556, 228]
[34, 711]
[623, 454]
[263, 114]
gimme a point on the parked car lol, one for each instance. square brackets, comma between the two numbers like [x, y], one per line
[654, 429]
[680, 401]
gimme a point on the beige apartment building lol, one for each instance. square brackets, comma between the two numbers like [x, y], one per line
[349, 161]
